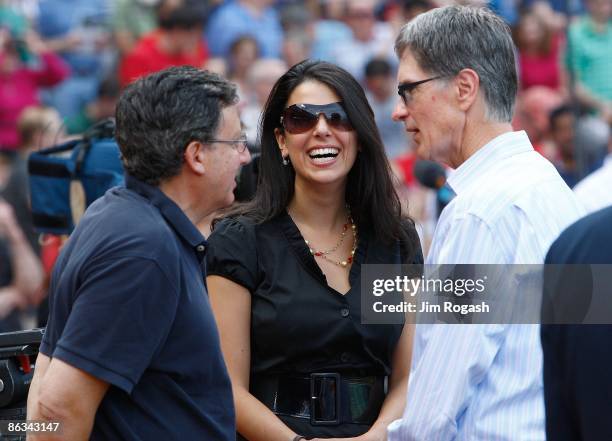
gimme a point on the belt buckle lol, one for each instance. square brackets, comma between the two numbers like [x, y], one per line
[320, 399]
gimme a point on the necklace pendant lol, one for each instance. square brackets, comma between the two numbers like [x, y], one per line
[318, 253]
[344, 264]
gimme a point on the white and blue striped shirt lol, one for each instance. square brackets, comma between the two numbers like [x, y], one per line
[594, 190]
[484, 382]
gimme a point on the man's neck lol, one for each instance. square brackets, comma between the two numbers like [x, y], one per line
[476, 137]
[179, 190]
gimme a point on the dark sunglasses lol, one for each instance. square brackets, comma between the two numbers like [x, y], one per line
[300, 118]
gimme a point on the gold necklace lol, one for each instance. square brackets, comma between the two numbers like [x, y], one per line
[324, 254]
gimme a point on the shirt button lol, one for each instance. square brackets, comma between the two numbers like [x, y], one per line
[200, 248]
[344, 312]
[345, 357]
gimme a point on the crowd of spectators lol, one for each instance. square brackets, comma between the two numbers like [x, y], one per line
[63, 64]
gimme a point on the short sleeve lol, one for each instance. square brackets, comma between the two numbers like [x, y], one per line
[232, 253]
[120, 319]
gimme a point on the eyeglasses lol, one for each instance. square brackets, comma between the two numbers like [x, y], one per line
[405, 89]
[239, 144]
[300, 118]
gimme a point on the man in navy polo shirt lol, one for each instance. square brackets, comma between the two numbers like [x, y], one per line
[131, 350]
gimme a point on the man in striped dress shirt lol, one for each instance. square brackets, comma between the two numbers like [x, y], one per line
[458, 82]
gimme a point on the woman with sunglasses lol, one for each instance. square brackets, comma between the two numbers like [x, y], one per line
[284, 269]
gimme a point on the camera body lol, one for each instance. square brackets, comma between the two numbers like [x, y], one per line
[18, 352]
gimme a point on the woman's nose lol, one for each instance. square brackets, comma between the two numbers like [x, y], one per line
[322, 126]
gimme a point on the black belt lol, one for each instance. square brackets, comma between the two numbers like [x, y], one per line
[326, 399]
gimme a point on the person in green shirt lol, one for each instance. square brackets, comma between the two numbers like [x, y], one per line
[589, 57]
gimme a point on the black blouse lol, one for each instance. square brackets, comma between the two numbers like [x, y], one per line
[299, 324]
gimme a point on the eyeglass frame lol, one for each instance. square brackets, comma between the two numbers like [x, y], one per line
[240, 149]
[409, 87]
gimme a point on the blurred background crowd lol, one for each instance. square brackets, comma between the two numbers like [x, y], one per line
[63, 64]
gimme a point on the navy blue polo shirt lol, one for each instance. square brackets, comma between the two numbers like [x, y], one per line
[128, 305]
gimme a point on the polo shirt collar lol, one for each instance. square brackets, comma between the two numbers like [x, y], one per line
[171, 213]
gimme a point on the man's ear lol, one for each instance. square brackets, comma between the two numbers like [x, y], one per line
[281, 141]
[195, 157]
[468, 86]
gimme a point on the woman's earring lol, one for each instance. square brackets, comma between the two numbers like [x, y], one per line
[286, 161]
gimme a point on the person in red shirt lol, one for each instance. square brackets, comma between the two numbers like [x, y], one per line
[540, 47]
[176, 42]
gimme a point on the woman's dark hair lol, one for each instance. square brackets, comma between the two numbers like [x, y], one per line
[375, 206]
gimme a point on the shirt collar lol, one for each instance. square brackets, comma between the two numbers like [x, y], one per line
[499, 148]
[171, 213]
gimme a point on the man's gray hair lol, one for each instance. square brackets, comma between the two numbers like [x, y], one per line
[446, 40]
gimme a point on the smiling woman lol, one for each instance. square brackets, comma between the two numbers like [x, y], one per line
[317, 136]
[284, 269]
